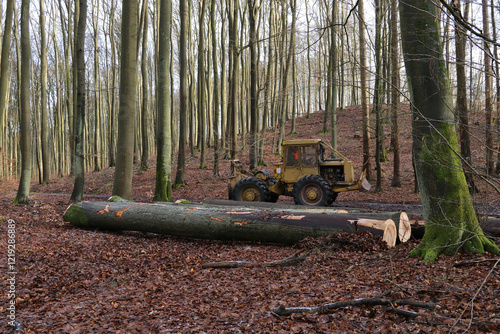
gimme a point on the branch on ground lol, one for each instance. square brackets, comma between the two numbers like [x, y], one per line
[289, 261]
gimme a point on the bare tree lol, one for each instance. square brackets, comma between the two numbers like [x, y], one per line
[77, 194]
[23, 190]
[364, 89]
[163, 188]
[183, 95]
[122, 185]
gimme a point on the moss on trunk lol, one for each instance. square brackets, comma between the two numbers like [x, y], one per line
[451, 222]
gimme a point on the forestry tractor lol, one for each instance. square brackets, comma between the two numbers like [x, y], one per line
[306, 173]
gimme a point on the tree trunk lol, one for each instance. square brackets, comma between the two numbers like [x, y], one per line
[364, 89]
[122, 185]
[22, 196]
[80, 93]
[286, 70]
[145, 94]
[163, 187]
[378, 94]
[451, 222]
[221, 223]
[202, 113]
[43, 96]
[395, 82]
[183, 106]
[488, 90]
[462, 110]
[253, 10]
[4, 66]
[216, 102]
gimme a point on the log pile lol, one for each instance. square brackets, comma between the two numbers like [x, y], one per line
[217, 222]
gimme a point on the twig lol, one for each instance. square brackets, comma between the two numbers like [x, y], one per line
[289, 261]
[283, 311]
[470, 263]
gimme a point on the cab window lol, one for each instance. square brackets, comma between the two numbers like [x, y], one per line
[292, 156]
[308, 156]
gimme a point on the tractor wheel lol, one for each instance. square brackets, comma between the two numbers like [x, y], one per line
[251, 189]
[263, 175]
[312, 190]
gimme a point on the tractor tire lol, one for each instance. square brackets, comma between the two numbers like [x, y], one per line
[263, 175]
[312, 190]
[251, 189]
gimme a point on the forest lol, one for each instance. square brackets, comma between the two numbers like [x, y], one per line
[150, 100]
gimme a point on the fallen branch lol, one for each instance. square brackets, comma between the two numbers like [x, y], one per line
[284, 311]
[470, 263]
[289, 261]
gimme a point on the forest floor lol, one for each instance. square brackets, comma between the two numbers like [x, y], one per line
[70, 280]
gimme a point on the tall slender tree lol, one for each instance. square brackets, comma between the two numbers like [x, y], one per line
[364, 89]
[286, 71]
[488, 89]
[23, 190]
[77, 194]
[202, 114]
[216, 103]
[43, 97]
[253, 10]
[183, 96]
[461, 102]
[378, 94]
[145, 98]
[395, 83]
[122, 185]
[163, 187]
[4, 66]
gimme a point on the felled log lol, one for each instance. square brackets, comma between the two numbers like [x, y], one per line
[219, 223]
[490, 225]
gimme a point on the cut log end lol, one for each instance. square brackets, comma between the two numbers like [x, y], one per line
[386, 228]
[390, 233]
[404, 227]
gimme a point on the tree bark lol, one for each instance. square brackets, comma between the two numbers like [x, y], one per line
[183, 96]
[80, 94]
[43, 96]
[488, 90]
[451, 222]
[221, 223]
[4, 66]
[145, 94]
[395, 82]
[22, 196]
[122, 185]
[163, 186]
[461, 104]
[216, 102]
[364, 88]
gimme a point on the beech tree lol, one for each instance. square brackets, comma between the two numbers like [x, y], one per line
[4, 66]
[77, 194]
[451, 222]
[183, 96]
[364, 89]
[122, 185]
[23, 191]
[163, 187]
